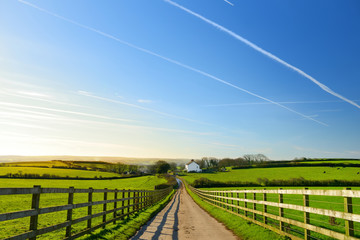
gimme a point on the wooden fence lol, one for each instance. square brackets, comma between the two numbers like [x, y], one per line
[330, 214]
[122, 203]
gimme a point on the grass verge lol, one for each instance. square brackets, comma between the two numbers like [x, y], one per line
[125, 229]
[240, 227]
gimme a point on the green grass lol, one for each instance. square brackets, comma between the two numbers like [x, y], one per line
[144, 182]
[56, 171]
[38, 164]
[323, 202]
[333, 161]
[242, 228]
[251, 175]
[60, 163]
[10, 203]
[128, 227]
[309, 173]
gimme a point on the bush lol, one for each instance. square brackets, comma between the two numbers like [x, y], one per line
[171, 182]
[206, 183]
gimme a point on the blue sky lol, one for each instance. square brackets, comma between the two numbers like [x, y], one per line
[181, 79]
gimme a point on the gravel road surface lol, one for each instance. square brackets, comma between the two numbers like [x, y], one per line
[182, 219]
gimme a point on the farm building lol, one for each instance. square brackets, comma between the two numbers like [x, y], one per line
[192, 166]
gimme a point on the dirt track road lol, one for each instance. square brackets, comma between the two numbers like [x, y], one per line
[181, 219]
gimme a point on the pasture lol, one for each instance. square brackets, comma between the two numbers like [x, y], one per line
[72, 173]
[333, 203]
[60, 163]
[23, 202]
[252, 174]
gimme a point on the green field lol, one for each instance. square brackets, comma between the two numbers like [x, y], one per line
[23, 202]
[284, 173]
[72, 173]
[252, 174]
[333, 161]
[323, 202]
[49, 164]
[241, 228]
[60, 163]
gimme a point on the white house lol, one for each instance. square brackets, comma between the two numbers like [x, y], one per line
[192, 166]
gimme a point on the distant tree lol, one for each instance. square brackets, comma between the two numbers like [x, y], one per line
[173, 166]
[261, 158]
[201, 163]
[255, 158]
[133, 168]
[214, 162]
[181, 166]
[162, 167]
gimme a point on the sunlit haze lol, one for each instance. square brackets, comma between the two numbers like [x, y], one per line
[180, 79]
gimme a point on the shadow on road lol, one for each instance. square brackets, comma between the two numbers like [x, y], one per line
[164, 225]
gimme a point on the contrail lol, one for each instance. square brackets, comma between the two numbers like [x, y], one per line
[139, 107]
[64, 111]
[262, 103]
[65, 120]
[41, 99]
[229, 3]
[266, 53]
[168, 59]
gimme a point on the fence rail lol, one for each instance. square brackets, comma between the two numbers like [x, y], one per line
[295, 217]
[130, 201]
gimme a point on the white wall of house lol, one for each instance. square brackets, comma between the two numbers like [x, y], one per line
[193, 167]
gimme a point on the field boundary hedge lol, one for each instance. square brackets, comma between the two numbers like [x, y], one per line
[294, 182]
[52, 176]
[297, 164]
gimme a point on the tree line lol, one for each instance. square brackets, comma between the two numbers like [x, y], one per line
[246, 160]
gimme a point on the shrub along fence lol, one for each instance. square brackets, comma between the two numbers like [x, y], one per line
[296, 213]
[121, 204]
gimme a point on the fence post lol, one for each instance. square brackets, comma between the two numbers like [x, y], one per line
[90, 199]
[281, 211]
[265, 206]
[254, 205]
[218, 199]
[142, 200]
[232, 201]
[70, 211]
[104, 206]
[238, 202]
[145, 198]
[306, 215]
[128, 205]
[35, 205]
[349, 225]
[123, 204]
[223, 199]
[136, 196]
[245, 203]
[227, 194]
[115, 204]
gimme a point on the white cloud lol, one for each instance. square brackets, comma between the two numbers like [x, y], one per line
[81, 92]
[17, 124]
[33, 94]
[21, 106]
[144, 101]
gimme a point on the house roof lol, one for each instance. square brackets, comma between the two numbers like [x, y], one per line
[192, 161]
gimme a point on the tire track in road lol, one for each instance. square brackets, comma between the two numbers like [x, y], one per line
[183, 219]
